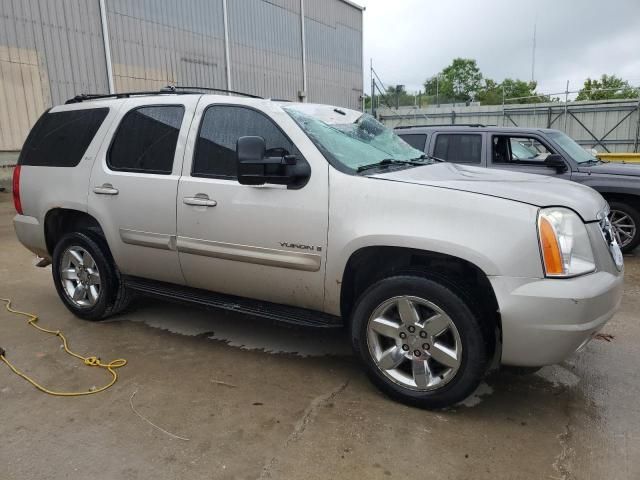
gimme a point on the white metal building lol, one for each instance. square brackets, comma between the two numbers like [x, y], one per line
[51, 50]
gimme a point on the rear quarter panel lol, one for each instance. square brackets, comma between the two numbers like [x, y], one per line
[45, 188]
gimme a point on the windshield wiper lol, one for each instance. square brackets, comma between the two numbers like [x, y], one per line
[426, 156]
[594, 161]
[388, 162]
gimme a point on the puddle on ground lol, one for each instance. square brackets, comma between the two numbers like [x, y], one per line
[242, 331]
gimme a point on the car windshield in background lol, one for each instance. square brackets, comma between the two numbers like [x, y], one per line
[522, 152]
[357, 144]
[574, 150]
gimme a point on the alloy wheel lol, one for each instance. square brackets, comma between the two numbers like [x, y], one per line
[80, 277]
[414, 343]
[623, 226]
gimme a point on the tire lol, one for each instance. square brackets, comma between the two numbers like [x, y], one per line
[618, 209]
[451, 384]
[108, 296]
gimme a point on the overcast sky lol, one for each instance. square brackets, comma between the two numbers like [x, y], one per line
[410, 40]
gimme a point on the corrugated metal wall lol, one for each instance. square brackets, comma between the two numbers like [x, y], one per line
[265, 46]
[334, 52]
[613, 123]
[51, 50]
[159, 42]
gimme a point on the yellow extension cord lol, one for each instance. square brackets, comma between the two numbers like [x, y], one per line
[111, 367]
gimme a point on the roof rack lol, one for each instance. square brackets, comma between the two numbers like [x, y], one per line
[168, 90]
[478, 125]
[210, 89]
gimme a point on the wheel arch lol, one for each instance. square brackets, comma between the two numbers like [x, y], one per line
[60, 221]
[624, 197]
[373, 263]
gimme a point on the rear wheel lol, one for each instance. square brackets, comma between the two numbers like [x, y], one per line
[625, 220]
[419, 341]
[85, 277]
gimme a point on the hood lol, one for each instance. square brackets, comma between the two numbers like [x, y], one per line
[537, 190]
[611, 168]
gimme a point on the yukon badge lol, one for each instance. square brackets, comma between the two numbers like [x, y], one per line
[299, 246]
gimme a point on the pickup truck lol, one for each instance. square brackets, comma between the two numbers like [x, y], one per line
[320, 216]
[542, 151]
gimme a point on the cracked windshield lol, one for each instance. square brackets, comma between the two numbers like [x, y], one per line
[357, 143]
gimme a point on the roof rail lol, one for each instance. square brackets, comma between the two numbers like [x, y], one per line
[443, 125]
[210, 89]
[96, 96]
[168, 90]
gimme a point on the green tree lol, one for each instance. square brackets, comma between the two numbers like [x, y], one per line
[398, 96]
[515, 91]
[396, 90]
[459, 82]
[490, 93]
[608, 87]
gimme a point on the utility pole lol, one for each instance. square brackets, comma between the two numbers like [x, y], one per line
[533, 52]
[566, 106]
[635, 145]
[438, 90]
[503, 105]
[373, 84]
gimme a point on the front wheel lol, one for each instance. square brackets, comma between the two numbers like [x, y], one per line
[419, 341]
[625, 221]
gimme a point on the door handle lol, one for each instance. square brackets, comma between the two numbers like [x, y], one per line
[200, 200]
[105, 189]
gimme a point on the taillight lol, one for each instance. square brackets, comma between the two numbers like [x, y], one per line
[16, 189]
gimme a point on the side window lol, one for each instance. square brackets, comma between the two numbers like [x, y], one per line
[222, 125]
[459, 148]
[146, 140]
[60, 139]
[415, 140]
[519, 150]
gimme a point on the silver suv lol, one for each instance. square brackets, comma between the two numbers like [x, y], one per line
[319, 216]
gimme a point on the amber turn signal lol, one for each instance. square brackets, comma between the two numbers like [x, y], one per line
[550, 248]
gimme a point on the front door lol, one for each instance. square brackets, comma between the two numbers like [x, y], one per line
[523, 153]
[262, 242]
[134, 182]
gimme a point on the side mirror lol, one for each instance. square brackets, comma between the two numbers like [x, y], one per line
[255, 168]
[556, 161]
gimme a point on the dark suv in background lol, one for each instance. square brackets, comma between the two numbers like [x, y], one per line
[538, 150]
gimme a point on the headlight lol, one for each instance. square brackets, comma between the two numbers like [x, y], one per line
[564, 242]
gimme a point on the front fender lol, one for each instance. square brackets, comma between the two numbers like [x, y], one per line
[498, 236]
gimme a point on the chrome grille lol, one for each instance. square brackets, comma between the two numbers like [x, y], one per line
[611, 239]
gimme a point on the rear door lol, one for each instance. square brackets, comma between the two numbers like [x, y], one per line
[263, 242]
[458, 147]
[134, 182]
[416, 140]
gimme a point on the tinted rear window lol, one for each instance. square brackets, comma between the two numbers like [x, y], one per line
[146, 140]
[416, 141]
[60, 139]
[459, 148]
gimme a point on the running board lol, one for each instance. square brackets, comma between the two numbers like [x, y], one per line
[258, 308]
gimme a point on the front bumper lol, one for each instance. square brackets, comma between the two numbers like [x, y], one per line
[546, 320]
